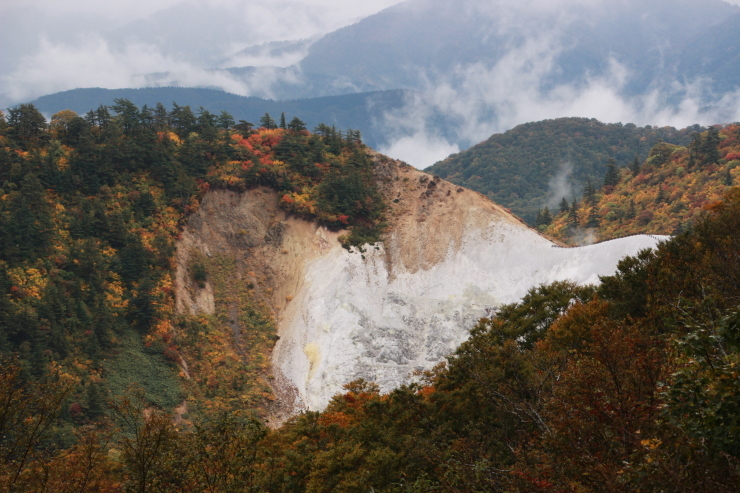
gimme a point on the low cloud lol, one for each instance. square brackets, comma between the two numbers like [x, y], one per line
[478, 101]
[94, 63]
[420, 148]
[560, 186]
[86, 43]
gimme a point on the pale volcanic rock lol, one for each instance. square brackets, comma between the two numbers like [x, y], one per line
[450, 257]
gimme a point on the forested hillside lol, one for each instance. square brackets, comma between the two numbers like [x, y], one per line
[662, 195]
[628, 386]
[535, 162]
[348, 111]
[90, 208]
[631, 386]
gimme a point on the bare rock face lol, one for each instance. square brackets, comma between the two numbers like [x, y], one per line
[449, 257]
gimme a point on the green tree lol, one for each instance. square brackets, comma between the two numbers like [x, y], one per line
[225, 121]
[31, 229]
[573, 214]
[243, 126]
[589, 191]
[611, 178]
[183, 120]
[296, 125]
[26, 125]
[635, 166]
[710, 147]
[127, 117]
[564, 206]
[593, 217]
[146, 438]
[267, 122]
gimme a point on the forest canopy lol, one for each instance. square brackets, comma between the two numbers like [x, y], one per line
[628, 386]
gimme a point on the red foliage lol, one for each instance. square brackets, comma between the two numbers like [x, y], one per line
[337, 418]
[645, 217]
[171, 353]
[203, 186]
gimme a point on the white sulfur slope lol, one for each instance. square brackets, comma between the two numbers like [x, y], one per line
[353, 319]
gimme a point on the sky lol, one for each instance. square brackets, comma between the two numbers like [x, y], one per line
[50, 46]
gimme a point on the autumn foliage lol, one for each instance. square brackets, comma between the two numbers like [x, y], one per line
[663, 195]
[628, 386]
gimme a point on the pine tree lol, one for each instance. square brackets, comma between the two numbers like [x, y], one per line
[267, 122]
[694, 149]
[546, 217]
[183, 120]
[728, 177]
[26, 125]
[160, 117]
[225, 121]
[593, 218]
[564, 207]
[635, 166]
[95, 401]
[323, 130]
[611, 178]
[296, 125]
[243, 126]
[282, 121]
[538, 219]
[31, 224]
[710, 147]
[589, 191]
[573, 214]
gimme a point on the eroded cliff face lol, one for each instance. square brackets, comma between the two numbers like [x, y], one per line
[449, 257]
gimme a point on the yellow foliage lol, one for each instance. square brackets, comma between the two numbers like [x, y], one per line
[31, 281]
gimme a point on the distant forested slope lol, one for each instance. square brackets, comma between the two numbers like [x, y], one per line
[539, 162]
[349, 111]
[665, 194]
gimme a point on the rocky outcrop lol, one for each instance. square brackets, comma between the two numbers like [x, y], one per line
[450, 256]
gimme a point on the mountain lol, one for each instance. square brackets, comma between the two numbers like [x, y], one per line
[462, 61]
[665, 194]
[712, 54]
[147, 246]
[168, 282]
[400, 306]
[539, 163]
[355, 111]
[419, 41]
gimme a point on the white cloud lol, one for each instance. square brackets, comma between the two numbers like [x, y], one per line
[420, 149]
[51, 46]
[477, 101]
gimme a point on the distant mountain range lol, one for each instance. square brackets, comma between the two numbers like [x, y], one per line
[355, 111]
[419, 40]
[429, 45]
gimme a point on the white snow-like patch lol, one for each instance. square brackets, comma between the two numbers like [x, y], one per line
[355, 320]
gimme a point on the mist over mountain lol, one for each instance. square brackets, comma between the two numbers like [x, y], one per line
[476, 68]
[417, 41]
[191, 302]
